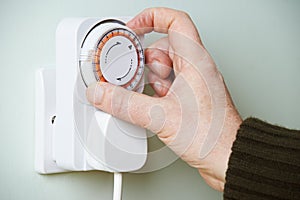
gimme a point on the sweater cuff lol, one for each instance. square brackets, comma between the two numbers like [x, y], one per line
[264, 163]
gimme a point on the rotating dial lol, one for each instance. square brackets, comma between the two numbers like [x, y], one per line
[112, 53]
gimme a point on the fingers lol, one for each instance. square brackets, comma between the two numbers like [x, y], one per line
[160, 65]
[164, 20]
[160, 86]
[126, 105]
[183, 37]
[157, 58]
[161, 70]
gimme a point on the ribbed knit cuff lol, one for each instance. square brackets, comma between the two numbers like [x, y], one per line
[264, 163]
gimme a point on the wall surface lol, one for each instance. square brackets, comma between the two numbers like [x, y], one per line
[256, 45]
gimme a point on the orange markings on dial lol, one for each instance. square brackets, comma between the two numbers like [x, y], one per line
[98, 53]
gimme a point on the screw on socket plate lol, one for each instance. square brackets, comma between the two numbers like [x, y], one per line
[53, 119]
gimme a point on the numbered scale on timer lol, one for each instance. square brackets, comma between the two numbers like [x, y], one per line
[113, 53]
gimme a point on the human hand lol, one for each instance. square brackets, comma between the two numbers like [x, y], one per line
[192, 112]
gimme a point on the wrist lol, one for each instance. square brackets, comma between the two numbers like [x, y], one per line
[215, 164]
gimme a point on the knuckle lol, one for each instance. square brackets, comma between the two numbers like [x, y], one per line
[119, 101]
[106, 99]
[184, 14]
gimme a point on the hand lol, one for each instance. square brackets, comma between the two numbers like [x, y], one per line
[192, 111]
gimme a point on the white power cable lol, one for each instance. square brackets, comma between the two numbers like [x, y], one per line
[117, 186]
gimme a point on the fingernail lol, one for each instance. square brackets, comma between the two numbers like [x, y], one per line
[94, 93]
[156, 64]
[157, 85]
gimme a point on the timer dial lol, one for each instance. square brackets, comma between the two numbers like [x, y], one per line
[112, 53]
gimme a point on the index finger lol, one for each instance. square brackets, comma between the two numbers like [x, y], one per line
[164, 20]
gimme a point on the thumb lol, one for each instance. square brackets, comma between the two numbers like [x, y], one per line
[127, 105]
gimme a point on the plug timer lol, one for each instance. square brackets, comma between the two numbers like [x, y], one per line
[81, 137]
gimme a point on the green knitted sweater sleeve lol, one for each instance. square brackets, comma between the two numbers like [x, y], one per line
[264, 163]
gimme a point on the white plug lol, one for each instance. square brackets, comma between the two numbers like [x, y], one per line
[81, 137]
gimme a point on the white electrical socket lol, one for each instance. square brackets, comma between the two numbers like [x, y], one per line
[71, 135]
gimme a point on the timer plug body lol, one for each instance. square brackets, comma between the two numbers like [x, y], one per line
[72, 135]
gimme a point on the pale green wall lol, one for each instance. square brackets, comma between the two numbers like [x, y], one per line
[255, 44]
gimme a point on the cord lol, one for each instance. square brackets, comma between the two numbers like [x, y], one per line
[117, 186]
